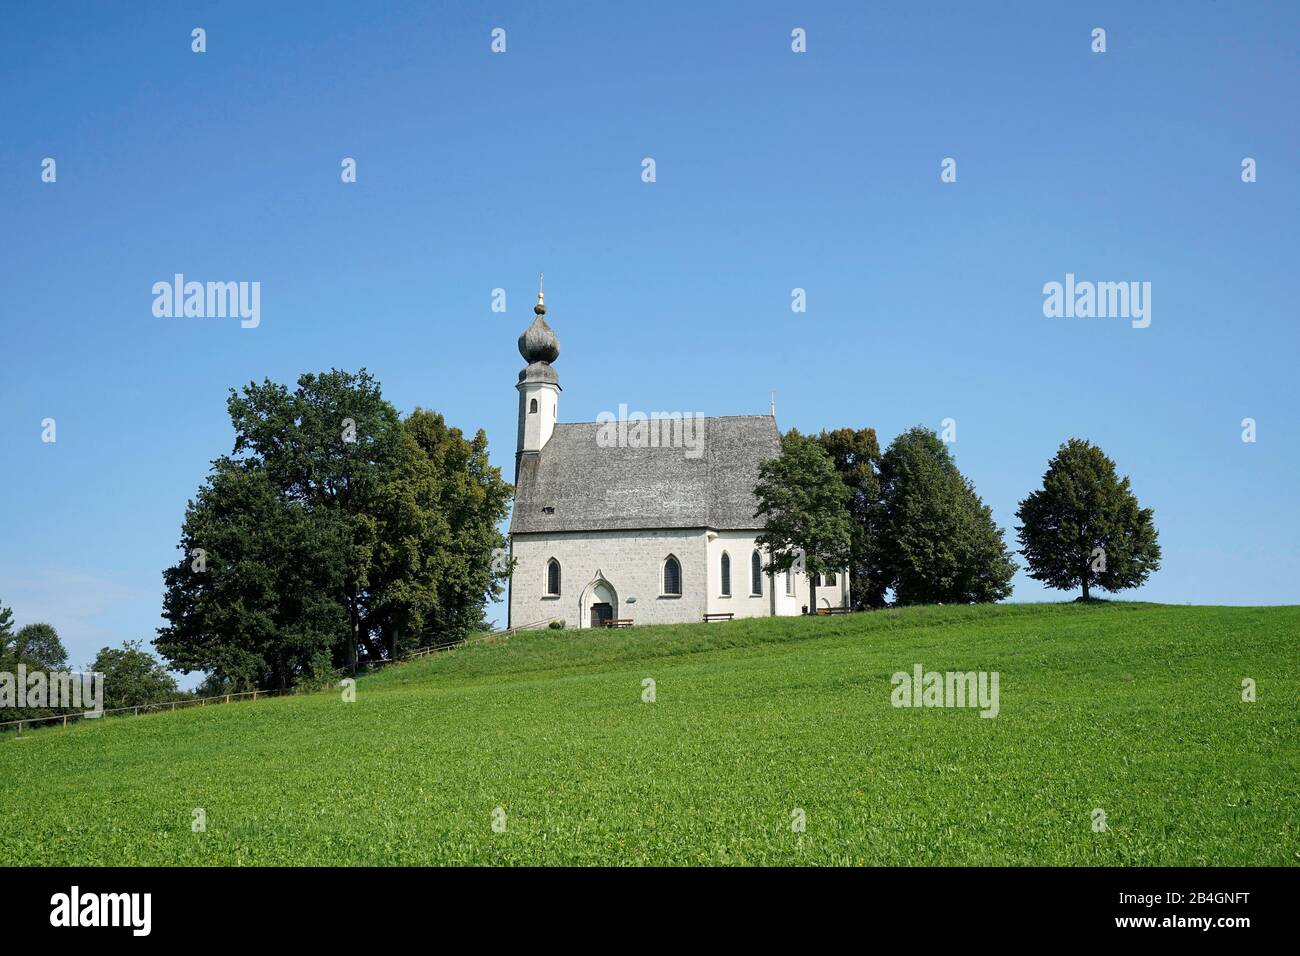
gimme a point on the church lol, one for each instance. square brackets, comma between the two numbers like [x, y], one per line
[610, 528]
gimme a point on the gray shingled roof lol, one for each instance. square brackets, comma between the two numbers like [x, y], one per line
[592, 488]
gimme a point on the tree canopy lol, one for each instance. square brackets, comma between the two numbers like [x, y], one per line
[38, 646]
[939, 542]
[856, 456]
[804, 504]
[1084, 527]
[35, 646]
[335, 532]
[133, 677]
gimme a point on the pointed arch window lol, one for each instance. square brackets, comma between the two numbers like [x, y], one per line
[829, 579]
[755, 574]
[726, 574]
[553, 577]
[672, 576]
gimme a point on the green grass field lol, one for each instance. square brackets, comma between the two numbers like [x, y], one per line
[1135, 709]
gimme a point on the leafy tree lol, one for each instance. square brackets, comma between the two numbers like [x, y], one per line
[856, 456]
[1084, 526]
[328, 446]
[457, 500]
[133, 677]
[35, 646]
[335, 532]
[804, 502]
[939, 541]
[257, 594]
[38, 646]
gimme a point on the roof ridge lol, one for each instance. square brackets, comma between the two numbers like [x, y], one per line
[705, 417]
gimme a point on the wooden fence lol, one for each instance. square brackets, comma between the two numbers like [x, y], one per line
[170, 705]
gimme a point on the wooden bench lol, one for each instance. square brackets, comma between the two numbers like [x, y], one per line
[724, 616]
[619, 622]
[835, 610]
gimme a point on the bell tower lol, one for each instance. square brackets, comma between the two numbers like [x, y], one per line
[538, 386]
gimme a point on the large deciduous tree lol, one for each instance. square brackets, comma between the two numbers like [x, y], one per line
[940, 543]
[856, 456]
[334, 532]
[331, 446]
[1084, 527]
[473, 499]
[432, 565]
[804, 503]
[259, 595]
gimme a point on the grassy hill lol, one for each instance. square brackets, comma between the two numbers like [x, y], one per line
[1131, 708]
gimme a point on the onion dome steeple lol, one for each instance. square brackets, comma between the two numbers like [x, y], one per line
[539, 386]
[539, 343]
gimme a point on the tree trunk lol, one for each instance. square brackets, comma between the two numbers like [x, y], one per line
[812, 592]
[1085, 586]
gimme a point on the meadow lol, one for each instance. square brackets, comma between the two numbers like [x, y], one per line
[1132, 709]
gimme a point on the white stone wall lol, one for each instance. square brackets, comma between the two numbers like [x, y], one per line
[739, 545]
[632, 563]
[775, 601]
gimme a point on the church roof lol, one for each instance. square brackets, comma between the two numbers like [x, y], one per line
[574, 484]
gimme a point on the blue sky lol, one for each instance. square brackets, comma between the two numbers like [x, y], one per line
[775, 170]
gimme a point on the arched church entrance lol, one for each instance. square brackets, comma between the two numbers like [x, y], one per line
[599, 603]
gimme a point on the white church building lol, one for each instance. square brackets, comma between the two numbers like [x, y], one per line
[608, 527]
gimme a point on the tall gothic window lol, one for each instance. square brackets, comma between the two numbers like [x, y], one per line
[552, 576]
[789, 582]
[672, 576]
[726, 574]
[755, 574]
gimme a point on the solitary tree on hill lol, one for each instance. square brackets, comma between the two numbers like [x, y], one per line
[1084, 526]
